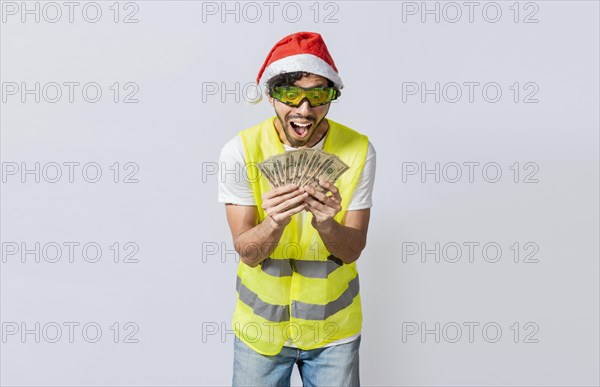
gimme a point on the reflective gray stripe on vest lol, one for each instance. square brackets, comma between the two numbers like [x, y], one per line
[317, 269]
[309, 269]
[275, 313]
[277, 267]
[322, 312]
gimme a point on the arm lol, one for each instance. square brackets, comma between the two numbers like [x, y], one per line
[346, 240]
[253, 241]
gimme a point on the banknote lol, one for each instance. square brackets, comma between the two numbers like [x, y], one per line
[302, 167]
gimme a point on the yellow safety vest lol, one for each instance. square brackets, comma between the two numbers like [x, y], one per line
[301, 291]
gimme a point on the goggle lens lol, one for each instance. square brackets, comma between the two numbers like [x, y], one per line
[293, 95]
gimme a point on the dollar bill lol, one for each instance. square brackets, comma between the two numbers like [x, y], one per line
[304, 159]
[313, 178]
[312, 167]
[302, 167]
[266, 168]
[278, 166]
[291, 164]
[334, 170]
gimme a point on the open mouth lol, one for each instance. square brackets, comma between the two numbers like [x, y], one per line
[301, 128]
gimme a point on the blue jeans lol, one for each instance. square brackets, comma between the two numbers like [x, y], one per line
[336, 365]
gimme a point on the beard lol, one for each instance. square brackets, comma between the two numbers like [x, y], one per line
[296, 131]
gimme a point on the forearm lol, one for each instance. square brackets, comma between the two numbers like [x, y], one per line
[345, 243]
[256, 244]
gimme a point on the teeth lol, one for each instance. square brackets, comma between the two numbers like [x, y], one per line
[302, 125]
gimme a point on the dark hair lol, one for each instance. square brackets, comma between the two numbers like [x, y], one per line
[288, 79]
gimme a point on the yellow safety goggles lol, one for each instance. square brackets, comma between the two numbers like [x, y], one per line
[294, 95]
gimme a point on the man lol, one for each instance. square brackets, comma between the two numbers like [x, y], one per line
[297, 284]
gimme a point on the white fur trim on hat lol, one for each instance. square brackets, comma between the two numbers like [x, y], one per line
[302, 62]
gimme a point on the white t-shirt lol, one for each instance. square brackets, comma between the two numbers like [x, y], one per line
[235, 188]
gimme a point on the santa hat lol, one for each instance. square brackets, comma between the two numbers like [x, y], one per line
[302, 51]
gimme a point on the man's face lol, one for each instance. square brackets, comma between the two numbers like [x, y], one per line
[297, 126]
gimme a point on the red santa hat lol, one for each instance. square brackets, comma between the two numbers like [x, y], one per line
[302, 51]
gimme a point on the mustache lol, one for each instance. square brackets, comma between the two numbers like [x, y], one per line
[310, 118]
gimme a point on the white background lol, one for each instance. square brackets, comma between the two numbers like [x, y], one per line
[180, 294]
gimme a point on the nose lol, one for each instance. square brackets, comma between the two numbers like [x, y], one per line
[304, 107]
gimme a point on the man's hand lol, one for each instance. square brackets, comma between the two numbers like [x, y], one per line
[255, 241]
[323, 207]
[346, 239]
[282, 203]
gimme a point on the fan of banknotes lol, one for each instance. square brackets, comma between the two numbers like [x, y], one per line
[302, 167]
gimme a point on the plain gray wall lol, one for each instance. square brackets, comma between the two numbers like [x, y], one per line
[444, 317]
